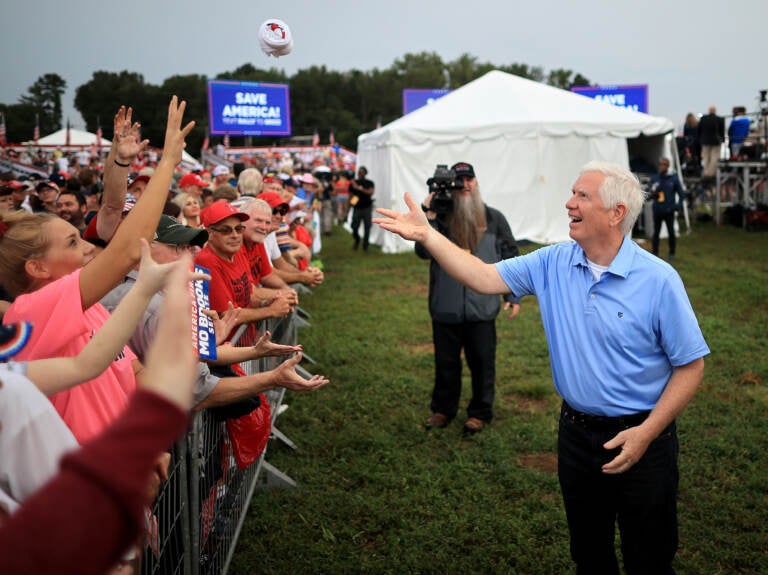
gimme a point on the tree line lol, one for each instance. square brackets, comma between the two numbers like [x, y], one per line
[348, 103]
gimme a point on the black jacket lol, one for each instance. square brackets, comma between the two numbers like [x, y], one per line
[451, 302]
[711, 130]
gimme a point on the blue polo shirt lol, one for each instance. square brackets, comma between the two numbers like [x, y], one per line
[613, 342]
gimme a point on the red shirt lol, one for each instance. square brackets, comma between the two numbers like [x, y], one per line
[93, 509]
[230, 282]
[258, 261]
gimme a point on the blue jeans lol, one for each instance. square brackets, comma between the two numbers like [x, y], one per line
[642, 499]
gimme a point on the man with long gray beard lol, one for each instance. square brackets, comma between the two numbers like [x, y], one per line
[462, 318]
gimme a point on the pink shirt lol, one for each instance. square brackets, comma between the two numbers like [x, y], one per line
[60, 328]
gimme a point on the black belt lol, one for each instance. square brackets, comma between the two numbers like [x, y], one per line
[602, 422]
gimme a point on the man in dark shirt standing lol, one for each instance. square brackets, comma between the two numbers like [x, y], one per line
[361, 197]
[711, 136]
[667, 193]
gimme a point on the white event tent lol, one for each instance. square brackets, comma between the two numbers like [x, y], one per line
[77, 139]
[526, 141]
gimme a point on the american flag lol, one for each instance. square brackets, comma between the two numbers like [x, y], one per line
[2, 129]
[36, 133]
[315, 138]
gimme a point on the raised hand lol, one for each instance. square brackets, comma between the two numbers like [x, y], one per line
[154, 276]
[174, 134]
[171, 363]
[126, 136]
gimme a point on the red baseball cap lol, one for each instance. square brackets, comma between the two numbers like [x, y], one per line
[272, 198]
[218, 211]
[192, 179]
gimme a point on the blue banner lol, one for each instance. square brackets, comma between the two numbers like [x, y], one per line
[248, 108]
[632, 97]
[413, 98]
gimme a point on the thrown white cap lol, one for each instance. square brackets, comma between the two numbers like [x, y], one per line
[275, 38]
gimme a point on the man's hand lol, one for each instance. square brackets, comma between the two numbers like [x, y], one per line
[314, 276]
[265, 347]
[284, 375]
[223, 326]
[411, 225]
[633, 443]
[515, 309]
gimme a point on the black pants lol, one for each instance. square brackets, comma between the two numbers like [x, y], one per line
[362, 215]
[643, 499]
[669, 219]
[478, 339]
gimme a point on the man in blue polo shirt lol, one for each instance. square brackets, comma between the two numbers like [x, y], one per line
[627, 356]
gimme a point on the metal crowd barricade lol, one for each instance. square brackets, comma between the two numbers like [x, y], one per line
[196, 519]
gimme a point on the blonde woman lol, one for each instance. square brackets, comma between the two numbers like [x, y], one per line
[190, 209]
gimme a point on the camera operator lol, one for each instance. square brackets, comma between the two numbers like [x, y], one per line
[462, 318]
[361, 198]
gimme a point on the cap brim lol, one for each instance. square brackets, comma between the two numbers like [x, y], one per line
[13, 338]
[185, 235]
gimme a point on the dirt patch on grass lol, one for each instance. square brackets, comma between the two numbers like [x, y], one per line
[750, 378]
[544, 462]
[420, 348]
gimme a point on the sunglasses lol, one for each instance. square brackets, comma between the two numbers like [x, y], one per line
[282, 210]
[227, 230]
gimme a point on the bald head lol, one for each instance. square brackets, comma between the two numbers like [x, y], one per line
[712, 109]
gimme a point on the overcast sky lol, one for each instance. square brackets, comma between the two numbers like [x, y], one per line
[691, 53]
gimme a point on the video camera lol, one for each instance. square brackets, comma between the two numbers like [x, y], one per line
[442, 182]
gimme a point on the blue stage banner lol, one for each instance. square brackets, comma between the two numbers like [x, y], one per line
[414, 98]
[248, 108]
[632, 97]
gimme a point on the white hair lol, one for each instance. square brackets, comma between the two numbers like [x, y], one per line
[248, 205]
[620, 186]
[250, 182]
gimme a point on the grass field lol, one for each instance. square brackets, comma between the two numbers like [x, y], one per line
[379, 494]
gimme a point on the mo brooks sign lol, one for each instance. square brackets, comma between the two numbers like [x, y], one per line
[248, 108]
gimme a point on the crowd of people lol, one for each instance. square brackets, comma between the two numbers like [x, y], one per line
[99, 374]
[701, 144]
[94, 268]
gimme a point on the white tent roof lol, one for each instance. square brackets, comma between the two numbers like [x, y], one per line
[504, 104]
[526, 140]
[83, 138]
[76, 138]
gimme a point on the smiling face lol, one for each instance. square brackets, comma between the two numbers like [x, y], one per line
[258, 227]
[590, 219]
[66, 252]
[69, 209]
